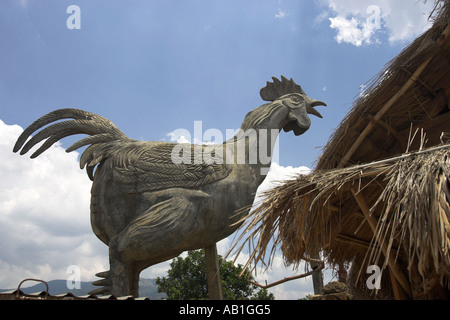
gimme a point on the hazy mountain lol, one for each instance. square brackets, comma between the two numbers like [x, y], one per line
[147, 288]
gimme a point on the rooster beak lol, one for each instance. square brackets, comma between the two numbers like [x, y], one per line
[314, 103]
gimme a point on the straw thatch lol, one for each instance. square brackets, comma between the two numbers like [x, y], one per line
[373, 198]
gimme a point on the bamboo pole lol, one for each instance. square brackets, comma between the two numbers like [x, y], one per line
[399, 294]
[396, 272]
[320, 266]
[382, 111]
[414, 78]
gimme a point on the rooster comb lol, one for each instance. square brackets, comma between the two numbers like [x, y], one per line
[277, 88]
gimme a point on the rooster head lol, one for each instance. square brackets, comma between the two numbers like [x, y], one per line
[289, 94]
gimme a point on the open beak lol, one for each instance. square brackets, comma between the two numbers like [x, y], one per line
[310, 104]
[298, 119]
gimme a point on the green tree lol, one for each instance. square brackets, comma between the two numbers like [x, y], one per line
[186, 279]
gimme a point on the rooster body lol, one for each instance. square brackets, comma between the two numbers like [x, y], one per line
[148, 208]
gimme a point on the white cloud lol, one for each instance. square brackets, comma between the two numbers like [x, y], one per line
[179, 136]
[281, 14]
[181, 139]
[277, 175]
[361, 22]
[352, 31]
[210, 136]
[44, 216]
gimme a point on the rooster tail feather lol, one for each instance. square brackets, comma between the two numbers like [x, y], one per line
[101, 131]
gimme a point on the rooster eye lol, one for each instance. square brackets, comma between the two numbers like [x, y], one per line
[295, 98]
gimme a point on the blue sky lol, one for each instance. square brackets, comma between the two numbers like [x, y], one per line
[155, 66]
[152, 67]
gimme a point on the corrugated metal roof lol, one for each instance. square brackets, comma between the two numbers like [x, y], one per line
[18, 294]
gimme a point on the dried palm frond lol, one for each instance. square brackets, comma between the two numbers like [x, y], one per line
[393, 213]
[410, 207]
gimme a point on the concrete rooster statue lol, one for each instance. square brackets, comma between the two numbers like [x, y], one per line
[150, 201]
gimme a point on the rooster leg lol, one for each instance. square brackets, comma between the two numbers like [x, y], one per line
[122, 275]
[162, 232]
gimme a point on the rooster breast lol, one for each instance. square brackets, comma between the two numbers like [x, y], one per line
[135, 175]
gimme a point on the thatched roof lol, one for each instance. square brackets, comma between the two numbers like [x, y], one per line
[412, 91]
[372, 195]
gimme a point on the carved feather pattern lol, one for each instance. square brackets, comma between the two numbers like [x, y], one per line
[153, 169]
[137, 166]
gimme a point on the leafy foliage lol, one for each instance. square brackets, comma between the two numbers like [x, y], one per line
[186, 279]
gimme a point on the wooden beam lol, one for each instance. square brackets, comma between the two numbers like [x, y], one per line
[386, 126]
[397, 273]
[380, 163]
[213, 273]
[320, 266]
[426, 86]
[359, 242]
[399, 293]
[353, 241]
[413, 79]
[317, 277]
[382, 111]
